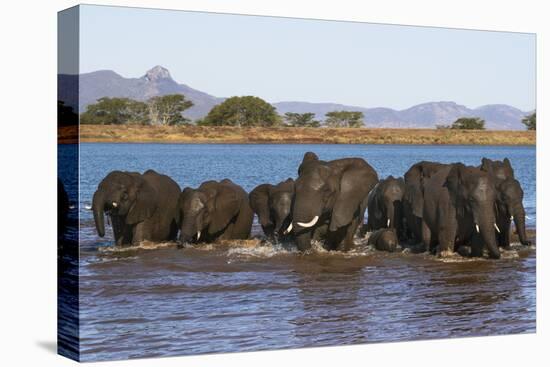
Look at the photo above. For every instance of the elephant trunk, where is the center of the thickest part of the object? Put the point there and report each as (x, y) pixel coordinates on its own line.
(303, 241)
(282, 225)
(306, 211)
(98, 204)
(264, 217)
(519, 220)
(267, 225)
(190, 229)
(487, 231)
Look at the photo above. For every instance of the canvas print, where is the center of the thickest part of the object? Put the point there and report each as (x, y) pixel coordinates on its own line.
(232, 183)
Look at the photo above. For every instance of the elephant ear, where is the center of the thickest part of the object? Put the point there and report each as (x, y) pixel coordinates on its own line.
(222, 208)
(415, 196)
(259, 202)
(413, 189)
(508, 165)
(418, 202)
(146, 202)
(352, 191)
(330, 188)
(373, 203)
(454, 183)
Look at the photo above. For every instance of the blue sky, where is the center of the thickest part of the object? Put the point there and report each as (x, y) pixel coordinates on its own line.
(283, 59)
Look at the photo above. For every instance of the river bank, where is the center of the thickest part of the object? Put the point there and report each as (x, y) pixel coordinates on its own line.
(291, 135)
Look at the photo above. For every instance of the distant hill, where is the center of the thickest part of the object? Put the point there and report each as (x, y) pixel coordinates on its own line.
(425, 115)
(157, 81)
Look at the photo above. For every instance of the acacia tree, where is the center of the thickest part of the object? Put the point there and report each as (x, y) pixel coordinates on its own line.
(242, 111)
(469, 123)
(168, 109)
(113, 111)
(162, 110)
(301, 119)
(344, 119)
(530, 121)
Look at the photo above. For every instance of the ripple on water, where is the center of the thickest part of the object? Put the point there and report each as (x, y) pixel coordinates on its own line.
(253, 295)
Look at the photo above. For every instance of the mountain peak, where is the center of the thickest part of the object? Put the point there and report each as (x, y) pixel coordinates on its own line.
(157, 73)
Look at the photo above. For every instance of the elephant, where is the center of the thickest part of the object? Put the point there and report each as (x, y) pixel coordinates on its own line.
(413, 199)
(214, 211)
(142, 207)
(384, 239)
(459, 210)
(385, 206)
(509, 200)
(509, 207)
(273, 204)
(330, 200)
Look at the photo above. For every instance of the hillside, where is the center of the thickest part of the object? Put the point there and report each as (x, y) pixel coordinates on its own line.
(158, 81)
(155, 82)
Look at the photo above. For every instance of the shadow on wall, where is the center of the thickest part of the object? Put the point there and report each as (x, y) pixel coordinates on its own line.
(48, 345)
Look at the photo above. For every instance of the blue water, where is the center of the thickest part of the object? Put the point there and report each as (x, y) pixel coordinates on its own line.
(251, 165)
(158, 300)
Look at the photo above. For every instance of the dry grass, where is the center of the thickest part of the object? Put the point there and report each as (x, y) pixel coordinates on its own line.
(67, 135)
(259, 135)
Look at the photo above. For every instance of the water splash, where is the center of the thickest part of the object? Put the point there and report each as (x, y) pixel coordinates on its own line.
(264, 250)
(145, 245)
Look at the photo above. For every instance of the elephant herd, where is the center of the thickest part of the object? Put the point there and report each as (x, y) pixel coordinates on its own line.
(444, 207)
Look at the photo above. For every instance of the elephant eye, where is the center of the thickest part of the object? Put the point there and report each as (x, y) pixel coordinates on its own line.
(124, 196)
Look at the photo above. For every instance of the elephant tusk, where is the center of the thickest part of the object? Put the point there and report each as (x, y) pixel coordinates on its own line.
(88, 207)
(115, 204)
(527, 217)
(512, 217)
(477, 228)
(388, 224)
(288, 229)
(496, 227)
(198, 235)
(309, 224)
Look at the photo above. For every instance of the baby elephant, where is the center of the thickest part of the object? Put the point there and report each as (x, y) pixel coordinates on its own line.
(216, 210)
(385, 207)
(384, 239)
(272, 204)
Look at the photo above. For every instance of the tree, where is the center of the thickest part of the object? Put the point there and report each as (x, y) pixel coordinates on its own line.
(344, 119)
(242, 111)
(168, 109)
(301, 119)
(468, 123)
(113, 111)
(66, 115)
(530, 121)
(139, 113)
